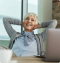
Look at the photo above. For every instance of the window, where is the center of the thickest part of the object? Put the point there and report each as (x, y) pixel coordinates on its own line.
(9, 8)
(12, 8)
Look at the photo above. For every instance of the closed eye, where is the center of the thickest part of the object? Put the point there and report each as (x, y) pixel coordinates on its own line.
(32, 20)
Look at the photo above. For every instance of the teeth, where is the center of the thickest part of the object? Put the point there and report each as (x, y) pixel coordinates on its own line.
(28, 24)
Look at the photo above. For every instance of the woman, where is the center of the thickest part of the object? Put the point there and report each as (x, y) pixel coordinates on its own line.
(27, 43)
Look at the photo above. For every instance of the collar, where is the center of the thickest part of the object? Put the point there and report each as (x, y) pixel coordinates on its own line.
(24, 32)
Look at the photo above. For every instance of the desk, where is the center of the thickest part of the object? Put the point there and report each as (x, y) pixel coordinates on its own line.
(31, 59)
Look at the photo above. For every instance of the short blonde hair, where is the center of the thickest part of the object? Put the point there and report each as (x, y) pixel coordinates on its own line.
(32, 14)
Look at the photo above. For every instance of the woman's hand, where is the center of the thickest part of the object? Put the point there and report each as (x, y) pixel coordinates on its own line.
(22, 24)
(37, 26)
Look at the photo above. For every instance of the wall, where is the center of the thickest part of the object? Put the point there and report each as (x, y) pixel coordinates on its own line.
(46, 10)
(56, 11)
(46, 13)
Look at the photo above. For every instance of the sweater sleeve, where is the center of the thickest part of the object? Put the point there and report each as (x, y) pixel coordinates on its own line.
(47, 25)
(7, 24)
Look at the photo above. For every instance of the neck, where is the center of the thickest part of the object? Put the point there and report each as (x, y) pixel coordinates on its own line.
(28, 30)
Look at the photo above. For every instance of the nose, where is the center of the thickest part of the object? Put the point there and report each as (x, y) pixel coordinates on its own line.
(29, 20)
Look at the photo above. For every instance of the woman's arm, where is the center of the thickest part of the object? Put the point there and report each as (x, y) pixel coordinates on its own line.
(47, 25)
(44, 24)
(7, 24)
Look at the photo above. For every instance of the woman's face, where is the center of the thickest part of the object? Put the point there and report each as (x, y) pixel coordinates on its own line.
(29, 23)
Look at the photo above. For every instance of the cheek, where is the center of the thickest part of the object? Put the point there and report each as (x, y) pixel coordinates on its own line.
(34, 24)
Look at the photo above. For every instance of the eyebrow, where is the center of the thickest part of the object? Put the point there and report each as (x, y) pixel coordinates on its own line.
(32, 18)
(27, 17)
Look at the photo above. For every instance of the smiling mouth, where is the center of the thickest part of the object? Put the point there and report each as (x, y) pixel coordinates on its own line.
(28, 24)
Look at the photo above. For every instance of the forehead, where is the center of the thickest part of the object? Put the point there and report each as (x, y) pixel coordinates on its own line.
(33, 17)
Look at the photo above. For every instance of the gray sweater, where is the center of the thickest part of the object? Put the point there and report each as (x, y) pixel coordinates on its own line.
(40, 37)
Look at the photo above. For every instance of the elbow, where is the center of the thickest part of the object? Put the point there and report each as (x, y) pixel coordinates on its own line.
(54, 22)
(4, 19)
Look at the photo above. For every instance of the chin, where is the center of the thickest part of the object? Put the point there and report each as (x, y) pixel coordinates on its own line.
(29, 29)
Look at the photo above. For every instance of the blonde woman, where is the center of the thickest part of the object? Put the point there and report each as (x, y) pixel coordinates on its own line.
(27, 43)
